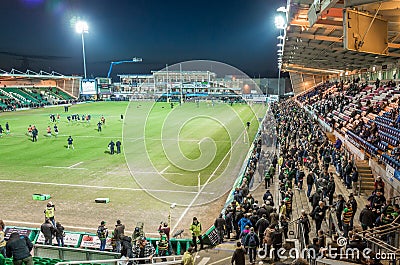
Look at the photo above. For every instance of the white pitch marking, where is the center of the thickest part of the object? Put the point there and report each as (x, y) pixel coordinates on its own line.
(162, 171)
(95, 187)
(205, 184)
(198, 182)
(74, 165)
(67, 167)
(204, 261)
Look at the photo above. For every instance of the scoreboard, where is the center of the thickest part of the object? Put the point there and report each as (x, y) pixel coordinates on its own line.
(104, 85)
(88, 87)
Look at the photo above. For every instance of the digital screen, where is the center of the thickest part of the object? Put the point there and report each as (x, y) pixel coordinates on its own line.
(88, 87)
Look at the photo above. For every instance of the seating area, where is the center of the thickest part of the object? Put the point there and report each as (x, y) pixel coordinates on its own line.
(12, 98)
(366, 114)
(36, 261)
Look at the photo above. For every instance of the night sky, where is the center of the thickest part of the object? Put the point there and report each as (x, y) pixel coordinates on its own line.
(40, 34)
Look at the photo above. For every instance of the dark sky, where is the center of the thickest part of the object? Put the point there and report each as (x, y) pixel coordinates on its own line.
(39, 34)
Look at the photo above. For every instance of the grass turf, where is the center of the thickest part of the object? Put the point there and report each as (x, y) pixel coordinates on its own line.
(89, 164)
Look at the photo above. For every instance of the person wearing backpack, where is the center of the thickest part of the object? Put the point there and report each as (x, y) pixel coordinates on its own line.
(251, 243)
(102, 233)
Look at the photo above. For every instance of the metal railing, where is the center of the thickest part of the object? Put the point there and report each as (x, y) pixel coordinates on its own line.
(87, 256)
(126, 261)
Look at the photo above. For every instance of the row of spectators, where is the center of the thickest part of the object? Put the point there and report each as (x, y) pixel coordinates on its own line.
(306, 151)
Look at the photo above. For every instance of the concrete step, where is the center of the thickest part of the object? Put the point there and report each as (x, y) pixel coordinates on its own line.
(365, 171)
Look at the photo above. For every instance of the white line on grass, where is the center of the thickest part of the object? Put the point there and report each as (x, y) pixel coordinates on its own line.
(74, 165)
(205, 184)
(162, 171)
(79, 168)
(93, 187)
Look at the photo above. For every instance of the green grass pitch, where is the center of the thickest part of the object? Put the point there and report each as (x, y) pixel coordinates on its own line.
(168, 155)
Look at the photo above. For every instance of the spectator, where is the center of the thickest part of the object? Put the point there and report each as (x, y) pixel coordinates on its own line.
(48, 231)
(346, 219)
(102, 233)
(379, 185)
(219, 224)
(126, 248)
(238, 257)
(260, 226)
(59, 232)
(187, 258)
(144, 250)
(2, 239)
(277, 241)
(19, 248)
(119, 231)
(305, 223)
(251, 242)
(319, 215)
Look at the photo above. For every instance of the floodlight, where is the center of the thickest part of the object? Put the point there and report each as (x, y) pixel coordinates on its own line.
(81, 27)
(282, 9)
(279, 45)
(280, 22)
(280, 37)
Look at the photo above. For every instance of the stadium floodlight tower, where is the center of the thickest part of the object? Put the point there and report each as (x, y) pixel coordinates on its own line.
(281, 23)
(82, 27)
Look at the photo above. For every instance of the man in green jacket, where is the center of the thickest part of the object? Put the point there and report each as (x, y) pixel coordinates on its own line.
(195, 228)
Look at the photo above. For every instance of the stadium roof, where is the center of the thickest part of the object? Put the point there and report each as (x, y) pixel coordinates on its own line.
(14, 74)
(314, 36)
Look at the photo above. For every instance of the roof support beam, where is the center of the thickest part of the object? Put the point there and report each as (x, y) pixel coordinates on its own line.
(317, 8)
(351, 3)
(394, 45)
(315, 37)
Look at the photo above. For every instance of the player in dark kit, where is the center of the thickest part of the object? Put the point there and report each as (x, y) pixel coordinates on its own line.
(111, 146)
(7, 128)
(35, 133)
(70, 140)
(118, 144)
(99, 126)
(248, 125)
(55, 130)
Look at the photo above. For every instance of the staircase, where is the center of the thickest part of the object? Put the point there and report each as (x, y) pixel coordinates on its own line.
(365, 175)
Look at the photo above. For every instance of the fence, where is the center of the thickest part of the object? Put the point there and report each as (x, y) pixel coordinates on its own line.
(125, 261)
